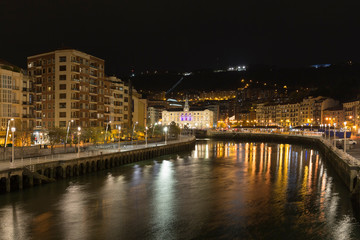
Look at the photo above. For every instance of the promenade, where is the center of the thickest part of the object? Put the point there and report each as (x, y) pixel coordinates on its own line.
(102, 150)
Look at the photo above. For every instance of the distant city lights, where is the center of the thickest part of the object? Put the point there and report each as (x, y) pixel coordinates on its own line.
(238, 68)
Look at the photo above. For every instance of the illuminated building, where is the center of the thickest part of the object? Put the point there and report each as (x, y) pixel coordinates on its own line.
(190, 119)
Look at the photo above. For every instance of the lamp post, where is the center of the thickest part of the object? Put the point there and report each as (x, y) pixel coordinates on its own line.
(165, 131)
(146, 129)
(13, 129)
(67, 132)
(153, 129)
(79, 132)
(334, 134)
(7, 130)
(345, 137)
(132, 137)
(119, 136)
(107, 126)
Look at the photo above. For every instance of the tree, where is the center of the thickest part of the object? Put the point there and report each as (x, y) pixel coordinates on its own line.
(93, 134)
(174, 129)
(55, 135)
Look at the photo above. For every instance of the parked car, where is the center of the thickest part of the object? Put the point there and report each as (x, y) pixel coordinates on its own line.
(350, 141)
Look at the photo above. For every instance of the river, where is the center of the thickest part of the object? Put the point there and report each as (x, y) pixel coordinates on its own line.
(221, 190)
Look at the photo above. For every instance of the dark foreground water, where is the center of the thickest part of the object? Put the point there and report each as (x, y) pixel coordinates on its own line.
(222, 190)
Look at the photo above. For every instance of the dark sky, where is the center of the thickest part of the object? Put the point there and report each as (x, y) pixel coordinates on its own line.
(183, 35)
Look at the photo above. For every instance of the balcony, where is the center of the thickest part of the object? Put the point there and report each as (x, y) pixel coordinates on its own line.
(15, 115)
(75, 107)
(15, 88)
(26, 103)
(28, 116)
(15, 101)
(75, 89)
(75, 98)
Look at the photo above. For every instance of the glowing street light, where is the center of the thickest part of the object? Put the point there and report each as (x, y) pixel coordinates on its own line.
(79, 132)
(132, 137)
(7, 130)
(67, 132)
(107, 126)
(334, 134)
(119, 136)
(13, 129)
(345, 137)
(153, 129)
(146, 129)
(165, 131)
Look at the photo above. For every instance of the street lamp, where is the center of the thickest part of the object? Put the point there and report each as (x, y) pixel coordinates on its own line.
(7, 130)
(79, 132)
(345, 137)
(119, 136)
(334, 134)
(13, 129)
(107, 126)
(146, 129)
(165, 131)
(132, 137)
(67, 132)
(153, 129)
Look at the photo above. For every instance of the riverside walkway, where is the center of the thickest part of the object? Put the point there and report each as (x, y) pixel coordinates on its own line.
(101, 150)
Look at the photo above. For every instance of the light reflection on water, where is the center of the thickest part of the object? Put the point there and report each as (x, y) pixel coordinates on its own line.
(222, 190)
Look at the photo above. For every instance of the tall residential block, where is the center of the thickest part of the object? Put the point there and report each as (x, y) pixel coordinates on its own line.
(16, 100)
(69, 85)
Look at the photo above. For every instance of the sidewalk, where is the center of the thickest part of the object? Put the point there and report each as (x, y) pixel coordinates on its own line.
(19, 163)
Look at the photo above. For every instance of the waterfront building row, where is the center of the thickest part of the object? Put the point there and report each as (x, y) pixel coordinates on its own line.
(310, 111)
(66, 87)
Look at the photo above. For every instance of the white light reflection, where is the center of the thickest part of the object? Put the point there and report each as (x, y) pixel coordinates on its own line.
(13, 222)
(163, 203)
(73, 213)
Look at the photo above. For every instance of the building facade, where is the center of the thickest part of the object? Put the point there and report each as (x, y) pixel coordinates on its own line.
(17, 99)
(191, 119)
(310, 111)
(69, 85)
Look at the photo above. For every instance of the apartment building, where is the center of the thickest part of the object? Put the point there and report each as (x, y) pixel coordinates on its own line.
(352, 114)
(16, 100)
(120, 99)
(139, 109)
(308, 112)
(334, 115)
(69, 85)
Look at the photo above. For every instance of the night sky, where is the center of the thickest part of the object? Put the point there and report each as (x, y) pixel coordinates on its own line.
(183, 35)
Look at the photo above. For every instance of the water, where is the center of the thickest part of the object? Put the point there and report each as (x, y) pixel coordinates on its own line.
(222, 190)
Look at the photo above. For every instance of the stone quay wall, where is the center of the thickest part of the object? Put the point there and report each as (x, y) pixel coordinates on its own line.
(346, 166)
(38, 173)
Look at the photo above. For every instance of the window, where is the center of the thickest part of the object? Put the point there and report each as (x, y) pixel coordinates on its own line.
(62, 114)
(62, 59)
(62, 77)
(62, 123)
(62, 68)
(62, 105)
(62, 86)
(62, 95)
